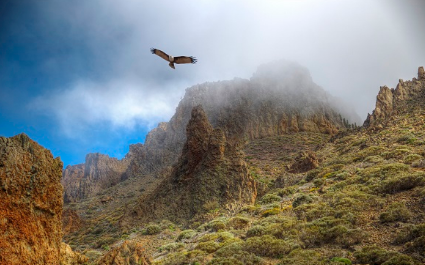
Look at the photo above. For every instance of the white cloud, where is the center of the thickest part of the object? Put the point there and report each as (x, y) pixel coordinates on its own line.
(350, 47)
(121, 104)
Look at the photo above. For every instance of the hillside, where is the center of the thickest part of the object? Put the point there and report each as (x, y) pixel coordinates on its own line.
(280, 98)
(353, 197)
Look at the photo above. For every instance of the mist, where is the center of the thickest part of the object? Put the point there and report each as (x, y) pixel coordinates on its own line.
(100, 70)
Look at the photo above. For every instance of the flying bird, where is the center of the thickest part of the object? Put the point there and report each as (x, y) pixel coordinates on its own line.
(173, 60)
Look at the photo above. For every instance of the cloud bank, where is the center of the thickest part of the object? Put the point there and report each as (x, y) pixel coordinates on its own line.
(350, 48)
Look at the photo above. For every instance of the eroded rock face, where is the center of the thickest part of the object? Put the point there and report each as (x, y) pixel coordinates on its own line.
(99, 172)
(390, 102)
(210, 170)
(30, 203)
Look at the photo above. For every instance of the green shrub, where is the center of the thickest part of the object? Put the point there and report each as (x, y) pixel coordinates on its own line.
(269, 212)
(285, 191)
(208, 246)
(239, 222)
(301, 199)
(373, 159)
(312, 174)
(410, 232)
(330, 230)
(270, 198)
(217, 224)
(342, 260)
(234, 252)
(373, 255)
(368, 151)
(407, 139)
(225, 261)
(183, 258)
(186, 234)
(256, 230)
(418, 245)
(395, 212)
(397, 153)
(379, 172)
(152, 229)
(267, 246)
(171, 247)
(409, 159)
(401, 183)
(400, 259)
(303, 257)
(166, 224)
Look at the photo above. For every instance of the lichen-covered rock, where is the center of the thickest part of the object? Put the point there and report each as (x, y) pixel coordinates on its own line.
(30, 203)
(128, 253)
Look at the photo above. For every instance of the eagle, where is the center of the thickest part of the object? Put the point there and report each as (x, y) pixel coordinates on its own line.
(173, 60)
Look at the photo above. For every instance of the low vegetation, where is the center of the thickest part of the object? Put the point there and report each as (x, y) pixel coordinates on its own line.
(363, 204)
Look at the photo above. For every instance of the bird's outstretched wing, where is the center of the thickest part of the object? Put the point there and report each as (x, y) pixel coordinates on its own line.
(185, 59)
(161, 54)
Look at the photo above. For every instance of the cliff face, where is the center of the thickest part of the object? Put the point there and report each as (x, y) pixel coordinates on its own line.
(99, 172)
(391, 102)
(210, 171)
(30, 203)
(280, 98)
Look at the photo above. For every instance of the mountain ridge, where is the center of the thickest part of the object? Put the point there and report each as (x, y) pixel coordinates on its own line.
(280, 98)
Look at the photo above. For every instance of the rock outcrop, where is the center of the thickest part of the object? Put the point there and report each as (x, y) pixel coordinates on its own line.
(69, 257)
(30, 203)
(129, 252)
(305, 161)
(210, 170)
(280, 98)
(70, 221)
(97, 173)
(390, 102)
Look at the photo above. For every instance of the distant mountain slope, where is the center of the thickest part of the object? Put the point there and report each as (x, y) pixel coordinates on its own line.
(362, 201)
(280, 98)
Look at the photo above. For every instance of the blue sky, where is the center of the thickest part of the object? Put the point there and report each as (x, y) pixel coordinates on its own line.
(77, 76)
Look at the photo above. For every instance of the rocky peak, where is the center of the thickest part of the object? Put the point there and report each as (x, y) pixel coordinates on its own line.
(210, 171)
(30, 204)
(198, 131)
(390, 102)
(421, 73)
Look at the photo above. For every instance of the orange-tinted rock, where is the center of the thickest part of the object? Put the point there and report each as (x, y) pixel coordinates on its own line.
(128, 253)
(70, 221)
(30, 203)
